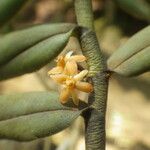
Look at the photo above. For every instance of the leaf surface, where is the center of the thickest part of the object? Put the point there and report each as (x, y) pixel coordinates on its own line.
(137, 8)
(33, 115)
(19, 41)
(8, 8)
(32, 48)
(133, 58)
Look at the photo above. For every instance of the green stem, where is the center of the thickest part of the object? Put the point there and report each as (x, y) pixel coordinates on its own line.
(94, 118)
(84, 13)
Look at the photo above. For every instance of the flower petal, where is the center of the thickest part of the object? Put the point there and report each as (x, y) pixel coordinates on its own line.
(65, 93)
(60, 61)
(68, 55)
(74, 97)
(84, 86)
(55, 70)
(71, 68)
(81, 75)
(59, 78)
(78, 58)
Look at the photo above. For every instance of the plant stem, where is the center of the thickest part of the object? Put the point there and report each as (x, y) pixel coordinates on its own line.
(84, 13)
(94, 118)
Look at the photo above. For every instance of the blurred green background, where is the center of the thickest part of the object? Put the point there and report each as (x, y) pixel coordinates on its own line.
(128, 115)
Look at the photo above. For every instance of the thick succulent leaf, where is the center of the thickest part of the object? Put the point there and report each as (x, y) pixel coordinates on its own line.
(16, 42)
(137, 8)
(133, 58)
(33, 115)
(35, 56)
(8, 8)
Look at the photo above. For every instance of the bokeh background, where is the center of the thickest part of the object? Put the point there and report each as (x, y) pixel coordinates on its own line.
(128, 110)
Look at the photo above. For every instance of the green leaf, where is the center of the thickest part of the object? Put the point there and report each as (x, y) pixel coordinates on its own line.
(16, 42)
(133, 58)
(137, 8)
(8, 8)
(37, 49)
(33, 115)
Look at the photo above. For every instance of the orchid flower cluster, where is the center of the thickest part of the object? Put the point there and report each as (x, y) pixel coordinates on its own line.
(70, 79)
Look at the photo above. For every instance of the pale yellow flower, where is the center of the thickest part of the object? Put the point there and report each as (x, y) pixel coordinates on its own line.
(71, 84)
(70, 78)
(62, 60)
